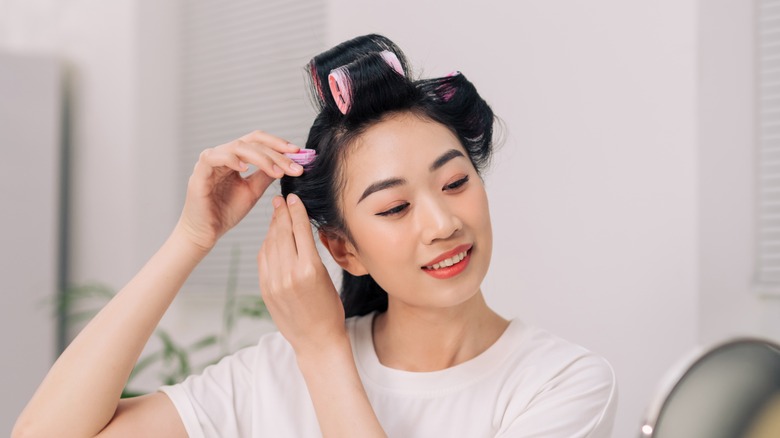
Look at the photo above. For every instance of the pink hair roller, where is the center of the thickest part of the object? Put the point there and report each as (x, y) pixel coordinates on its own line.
(303, 156)
(341, 86)
(392, 60)
(447, 90)
(316, 80)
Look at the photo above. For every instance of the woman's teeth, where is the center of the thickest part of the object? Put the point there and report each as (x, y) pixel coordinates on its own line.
(449, 262)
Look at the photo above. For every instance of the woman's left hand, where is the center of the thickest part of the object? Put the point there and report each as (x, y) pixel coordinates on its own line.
(295, 285)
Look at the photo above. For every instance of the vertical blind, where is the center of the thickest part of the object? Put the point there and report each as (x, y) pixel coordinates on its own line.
(768, 64)
(241, 70)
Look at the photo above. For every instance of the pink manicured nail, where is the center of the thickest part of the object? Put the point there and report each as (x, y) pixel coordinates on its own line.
(292, 198)
(277, 201)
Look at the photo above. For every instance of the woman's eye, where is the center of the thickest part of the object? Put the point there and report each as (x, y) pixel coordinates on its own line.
(457, 184)
(395, 210)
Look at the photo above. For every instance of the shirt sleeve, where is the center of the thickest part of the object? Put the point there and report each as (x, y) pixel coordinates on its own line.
(214, 402)
(579, 402)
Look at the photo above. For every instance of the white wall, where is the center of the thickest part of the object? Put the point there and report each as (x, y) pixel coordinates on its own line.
(593, 196)
(122, 79)
(122, 154)
(730, 305)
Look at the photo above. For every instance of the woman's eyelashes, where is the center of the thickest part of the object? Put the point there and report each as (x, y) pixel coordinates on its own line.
(395, 210)
(457, 184)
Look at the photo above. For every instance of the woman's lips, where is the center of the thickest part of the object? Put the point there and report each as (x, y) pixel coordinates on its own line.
(450, 263)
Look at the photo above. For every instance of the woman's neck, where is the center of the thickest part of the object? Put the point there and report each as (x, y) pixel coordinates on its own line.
(416, 339)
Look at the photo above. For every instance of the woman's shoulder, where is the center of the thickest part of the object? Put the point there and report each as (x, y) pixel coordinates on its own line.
(534, 346)
(553, 377)
(534, 341)
(563, 367)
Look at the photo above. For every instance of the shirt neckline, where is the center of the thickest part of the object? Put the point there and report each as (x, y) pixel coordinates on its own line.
(429, 382)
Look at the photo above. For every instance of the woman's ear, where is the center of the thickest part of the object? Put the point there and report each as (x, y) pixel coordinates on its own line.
(343, 253)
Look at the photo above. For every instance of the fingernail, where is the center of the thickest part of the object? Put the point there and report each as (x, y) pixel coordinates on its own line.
(277, 201)
(292, 198)
(296, 167)
(243, 166)
(293, 146)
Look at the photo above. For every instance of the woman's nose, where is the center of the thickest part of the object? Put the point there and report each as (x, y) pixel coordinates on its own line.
(438, 221)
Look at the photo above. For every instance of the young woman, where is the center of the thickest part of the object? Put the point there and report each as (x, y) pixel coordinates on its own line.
(396, 195)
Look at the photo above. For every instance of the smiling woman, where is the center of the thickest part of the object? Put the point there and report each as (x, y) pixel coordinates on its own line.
(429, 209)
(409, 348)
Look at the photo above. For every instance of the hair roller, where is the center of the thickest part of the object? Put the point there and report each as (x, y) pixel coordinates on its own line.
(340, 81)
(345, 54)
(315, 81)
(341, 88)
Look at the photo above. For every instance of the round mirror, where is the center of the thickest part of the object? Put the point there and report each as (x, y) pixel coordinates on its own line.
(731, 390)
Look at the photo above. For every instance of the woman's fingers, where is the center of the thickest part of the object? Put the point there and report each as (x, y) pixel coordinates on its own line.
(291, 229)
(275, 142)
(279, 147)
(278, 261)
(213, 161)
(215, 157)
(289, 255)
(258, 148)
(301, 229)
(280, 237)
(270, 161)
(295, 286)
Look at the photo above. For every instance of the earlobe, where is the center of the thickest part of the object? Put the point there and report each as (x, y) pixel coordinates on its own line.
(343, 252)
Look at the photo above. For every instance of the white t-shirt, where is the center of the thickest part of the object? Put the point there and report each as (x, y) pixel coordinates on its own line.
(529, 383)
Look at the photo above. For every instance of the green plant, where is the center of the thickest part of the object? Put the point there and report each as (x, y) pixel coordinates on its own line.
(175, 359)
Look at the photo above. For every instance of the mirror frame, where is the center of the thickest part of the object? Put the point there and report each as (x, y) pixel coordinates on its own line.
(680, 370)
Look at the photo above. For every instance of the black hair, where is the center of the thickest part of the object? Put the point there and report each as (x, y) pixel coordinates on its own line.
(377, 91)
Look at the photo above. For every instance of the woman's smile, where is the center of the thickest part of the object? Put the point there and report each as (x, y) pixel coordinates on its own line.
(449, 264)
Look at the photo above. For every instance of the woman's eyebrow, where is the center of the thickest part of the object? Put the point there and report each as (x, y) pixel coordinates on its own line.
(381, 185)
(444, 158)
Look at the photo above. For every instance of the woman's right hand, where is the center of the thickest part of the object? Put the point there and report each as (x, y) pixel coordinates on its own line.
(218, 197)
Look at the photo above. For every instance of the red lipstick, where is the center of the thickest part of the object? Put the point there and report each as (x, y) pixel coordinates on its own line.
(444, 272)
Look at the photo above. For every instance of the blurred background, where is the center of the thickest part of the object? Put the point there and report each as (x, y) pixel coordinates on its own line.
(632, 199)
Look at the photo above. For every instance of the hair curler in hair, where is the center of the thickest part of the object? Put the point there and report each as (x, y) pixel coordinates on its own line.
(315, 79)
(341, 88)
(303, 156)
(341, 84)
(392, 60)
(447, 90)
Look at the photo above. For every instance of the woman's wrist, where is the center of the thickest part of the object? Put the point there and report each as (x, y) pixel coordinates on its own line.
(335, 387)
(322, 352)
(182, 239)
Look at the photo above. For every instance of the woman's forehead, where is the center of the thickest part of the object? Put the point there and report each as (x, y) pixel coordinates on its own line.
(401, 141)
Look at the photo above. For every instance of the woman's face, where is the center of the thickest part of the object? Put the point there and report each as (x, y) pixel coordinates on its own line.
(417, 212)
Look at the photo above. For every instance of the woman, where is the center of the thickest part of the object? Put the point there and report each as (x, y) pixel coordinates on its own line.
(396, 194)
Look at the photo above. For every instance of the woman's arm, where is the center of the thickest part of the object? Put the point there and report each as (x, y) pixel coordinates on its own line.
(341, 403)
(80, 394)
(306, 308)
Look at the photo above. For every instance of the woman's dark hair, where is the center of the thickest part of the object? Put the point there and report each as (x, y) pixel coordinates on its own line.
(377, 91)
